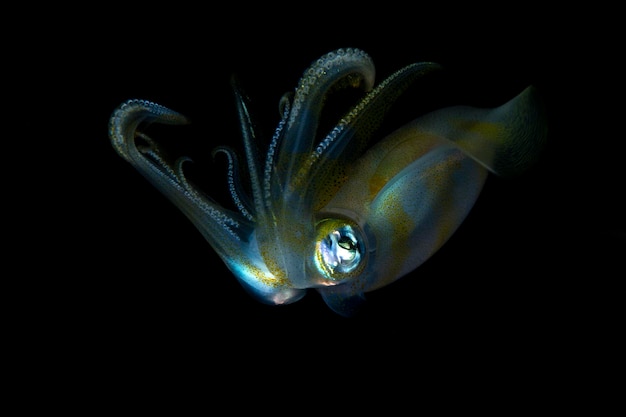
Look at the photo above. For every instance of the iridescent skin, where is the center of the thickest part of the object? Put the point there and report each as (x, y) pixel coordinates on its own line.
(332, 214)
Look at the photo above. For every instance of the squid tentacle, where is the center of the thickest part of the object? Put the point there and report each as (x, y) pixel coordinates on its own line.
(235, 187)
(230, 233)
(350, 66)
(290, 147)
(153, 152)
(360, 123)
(253, 158)
(272, 188)
(221, 227)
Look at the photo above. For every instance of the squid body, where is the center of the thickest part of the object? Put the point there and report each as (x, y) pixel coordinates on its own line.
(338, 211)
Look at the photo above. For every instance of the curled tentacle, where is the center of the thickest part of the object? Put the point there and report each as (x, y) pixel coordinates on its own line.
(149, 161)
(350, 67)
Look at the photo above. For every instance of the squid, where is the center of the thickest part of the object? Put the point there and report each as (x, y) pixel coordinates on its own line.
(339, 211)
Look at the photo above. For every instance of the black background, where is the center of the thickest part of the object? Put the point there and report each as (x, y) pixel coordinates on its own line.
(140, 285)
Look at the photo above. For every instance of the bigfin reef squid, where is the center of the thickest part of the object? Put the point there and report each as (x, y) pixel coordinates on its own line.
(341, 213)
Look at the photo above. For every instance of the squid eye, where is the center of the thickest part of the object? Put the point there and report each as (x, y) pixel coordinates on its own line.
(339, 249)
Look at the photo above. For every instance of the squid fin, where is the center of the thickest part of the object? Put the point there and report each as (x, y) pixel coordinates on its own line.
(506, 140)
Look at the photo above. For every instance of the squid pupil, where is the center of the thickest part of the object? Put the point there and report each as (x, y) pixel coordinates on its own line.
(341, 252)
(346, 243)
(349, 249)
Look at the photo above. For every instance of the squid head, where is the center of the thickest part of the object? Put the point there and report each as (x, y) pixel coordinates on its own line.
(340, 211)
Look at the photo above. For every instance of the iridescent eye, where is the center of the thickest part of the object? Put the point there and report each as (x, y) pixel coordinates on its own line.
(339, 249)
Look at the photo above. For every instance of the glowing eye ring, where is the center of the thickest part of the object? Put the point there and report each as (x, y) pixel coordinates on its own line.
(339, 249)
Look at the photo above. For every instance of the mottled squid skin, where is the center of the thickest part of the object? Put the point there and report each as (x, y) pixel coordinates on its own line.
(334, 212)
